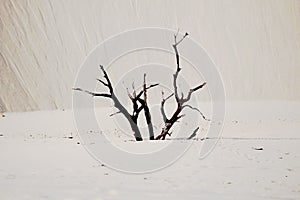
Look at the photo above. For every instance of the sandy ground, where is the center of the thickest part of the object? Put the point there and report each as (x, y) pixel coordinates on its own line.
(39, 160)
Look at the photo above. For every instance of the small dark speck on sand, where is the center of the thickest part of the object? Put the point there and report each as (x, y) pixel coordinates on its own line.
(70, 137)
(258, 149)
(106, 174)
(102, 165)
(78, 142)
(1, 135)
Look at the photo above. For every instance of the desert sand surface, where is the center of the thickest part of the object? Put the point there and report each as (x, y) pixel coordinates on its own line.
(256, 157)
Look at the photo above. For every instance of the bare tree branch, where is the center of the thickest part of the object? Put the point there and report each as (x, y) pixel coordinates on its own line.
(145, 89)
(118, 112)
(193, 134)
(142, 91)
(109, 85)
(117, 104)
(170, 122)
(175, 83)
(133, 88)
(180, 100)
(162, 109)
(146, 109)
(175, 76)
(180, 116)
(176, 35)
(105, 84)
(191, 92)
(196, 109)
(135, 98)
(128, 93)
(92, 93)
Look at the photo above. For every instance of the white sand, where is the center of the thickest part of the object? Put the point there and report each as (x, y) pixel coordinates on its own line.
(39, 161)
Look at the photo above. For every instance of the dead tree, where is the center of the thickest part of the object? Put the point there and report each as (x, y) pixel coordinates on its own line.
(147, 110)
(135, 98)
(180, 101)
(131, 118)
(139, 102)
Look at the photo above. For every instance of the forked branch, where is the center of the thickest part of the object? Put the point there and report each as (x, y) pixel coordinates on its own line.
(143, 105)
(179, 100)
(117, 103)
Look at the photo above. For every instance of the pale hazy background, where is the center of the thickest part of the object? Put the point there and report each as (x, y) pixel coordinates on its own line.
(254, 43)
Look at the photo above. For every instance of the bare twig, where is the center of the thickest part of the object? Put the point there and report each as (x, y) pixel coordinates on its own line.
(109, 85)
(162, 109)
(93, 93)
(118, 112)
(150, 86)
(193, 134)
(191, 92)
(196, 109)
(105, 84)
